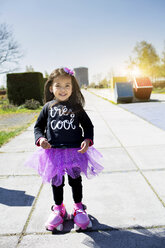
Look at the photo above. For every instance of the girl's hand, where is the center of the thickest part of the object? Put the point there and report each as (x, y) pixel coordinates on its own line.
(84, 146)
(44, 143)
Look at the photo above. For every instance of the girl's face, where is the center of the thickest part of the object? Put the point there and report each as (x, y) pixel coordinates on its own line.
(61, 88)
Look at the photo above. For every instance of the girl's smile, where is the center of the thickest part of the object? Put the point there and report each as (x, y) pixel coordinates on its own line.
(61, 88)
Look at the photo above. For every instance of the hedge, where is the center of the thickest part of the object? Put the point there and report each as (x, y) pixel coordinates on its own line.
(25, 86)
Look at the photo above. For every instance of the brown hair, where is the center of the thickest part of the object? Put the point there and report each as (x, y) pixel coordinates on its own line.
(76, 97)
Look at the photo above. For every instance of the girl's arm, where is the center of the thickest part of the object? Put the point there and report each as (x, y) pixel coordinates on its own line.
(44, 143)
(88, 127)
(84, 146)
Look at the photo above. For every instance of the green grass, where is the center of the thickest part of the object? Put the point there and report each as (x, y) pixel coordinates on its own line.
(17, 110)
(6, 133)
(158, 90)
(7, 109)
(5, 136)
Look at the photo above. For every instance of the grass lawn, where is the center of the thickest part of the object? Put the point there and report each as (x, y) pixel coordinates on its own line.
(5, 136)
(6, 110)
(8, 133)
(158, 90)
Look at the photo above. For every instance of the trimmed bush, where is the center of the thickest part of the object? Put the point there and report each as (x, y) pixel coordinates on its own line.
(25, 86)
(2, 92)
(8, 107)
(32, 104)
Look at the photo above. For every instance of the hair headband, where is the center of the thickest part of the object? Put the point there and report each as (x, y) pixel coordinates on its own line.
(70, 72)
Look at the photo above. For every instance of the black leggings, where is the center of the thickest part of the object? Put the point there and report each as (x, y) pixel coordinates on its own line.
(76, 185)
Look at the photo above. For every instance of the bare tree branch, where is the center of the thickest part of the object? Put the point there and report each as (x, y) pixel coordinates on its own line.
(10, 53)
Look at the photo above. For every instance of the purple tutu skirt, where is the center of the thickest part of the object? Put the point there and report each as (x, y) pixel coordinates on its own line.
(53, 163)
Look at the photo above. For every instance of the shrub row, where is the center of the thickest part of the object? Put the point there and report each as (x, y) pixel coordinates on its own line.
(2, 92)
(159, 84)
(25, 86)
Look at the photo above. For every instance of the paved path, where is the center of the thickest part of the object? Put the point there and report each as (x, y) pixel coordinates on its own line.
(152, 111)
(126, 202)
(15, 119)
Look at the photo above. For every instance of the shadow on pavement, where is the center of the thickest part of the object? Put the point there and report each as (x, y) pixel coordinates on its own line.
(15, 198)
(104, 236)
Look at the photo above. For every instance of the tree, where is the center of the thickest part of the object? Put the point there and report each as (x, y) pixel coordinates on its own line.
(110, 74)
(9, 50)
(131, 63)
(92, 85)
(104, 83)
(162, 67)
(29, 68)
(145, 58)
(46, 74)
(97, 78)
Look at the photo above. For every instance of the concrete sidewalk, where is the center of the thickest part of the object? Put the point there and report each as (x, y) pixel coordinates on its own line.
(152, 111)
(126, 203)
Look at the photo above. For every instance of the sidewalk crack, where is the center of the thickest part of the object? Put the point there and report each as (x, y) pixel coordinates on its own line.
(29, 217)
(135, 164)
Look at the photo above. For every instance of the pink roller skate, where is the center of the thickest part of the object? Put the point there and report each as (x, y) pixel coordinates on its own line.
(80, 217)
(56, 218)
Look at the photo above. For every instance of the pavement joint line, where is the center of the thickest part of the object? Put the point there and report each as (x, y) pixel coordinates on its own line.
(29, 175)
(3, 152)
(15, 151)
(10, 234)
(145, 178)
(131, 146)
(135, 170)
(111, 229)
(106, 172)
(146, 145)
(29, 216)
(138, 169)
(160, 199)
(107, 148)
(4, 176)
(119, 171)
(154, 169)
(99, 148)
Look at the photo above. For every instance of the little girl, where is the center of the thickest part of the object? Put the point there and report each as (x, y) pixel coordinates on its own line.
(64, 133)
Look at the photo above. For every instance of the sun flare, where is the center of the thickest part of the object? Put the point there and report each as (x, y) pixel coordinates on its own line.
(134, 72)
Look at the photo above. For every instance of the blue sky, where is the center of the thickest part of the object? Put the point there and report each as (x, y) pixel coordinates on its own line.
(98, 34)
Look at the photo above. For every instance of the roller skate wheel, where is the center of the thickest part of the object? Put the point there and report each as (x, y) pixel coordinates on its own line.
(90, 225)
(76, 227)
(59, 228)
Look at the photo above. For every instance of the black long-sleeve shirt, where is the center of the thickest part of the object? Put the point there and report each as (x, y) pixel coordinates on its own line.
(62, 125)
